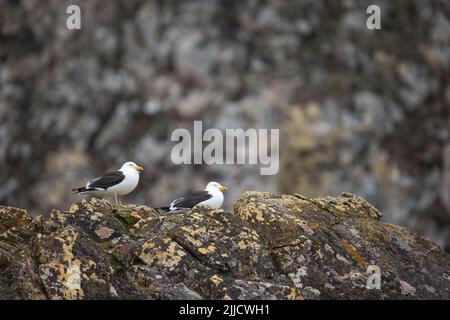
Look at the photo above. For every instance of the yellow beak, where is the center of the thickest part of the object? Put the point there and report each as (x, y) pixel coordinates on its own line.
(139, 168)
(223, 188)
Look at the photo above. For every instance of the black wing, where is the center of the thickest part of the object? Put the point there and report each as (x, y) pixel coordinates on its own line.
(192, 200)
(107, 181)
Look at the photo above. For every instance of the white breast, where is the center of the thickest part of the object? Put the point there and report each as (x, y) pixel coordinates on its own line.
(126, 186)
(215, 201)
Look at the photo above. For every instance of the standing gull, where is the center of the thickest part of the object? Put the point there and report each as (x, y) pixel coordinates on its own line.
(117, 183)
(212, 196)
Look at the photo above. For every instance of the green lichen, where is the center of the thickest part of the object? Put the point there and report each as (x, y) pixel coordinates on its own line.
(106, 245)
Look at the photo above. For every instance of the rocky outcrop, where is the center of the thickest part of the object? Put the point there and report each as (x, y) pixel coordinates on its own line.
(271, 247)
(356, 110)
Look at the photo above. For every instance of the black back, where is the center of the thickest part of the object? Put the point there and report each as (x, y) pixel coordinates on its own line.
(192, 200)
(107, 181)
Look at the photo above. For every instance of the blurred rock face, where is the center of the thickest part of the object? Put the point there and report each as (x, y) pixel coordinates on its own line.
(359, 110)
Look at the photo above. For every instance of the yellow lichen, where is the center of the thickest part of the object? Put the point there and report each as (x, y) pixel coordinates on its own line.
(216, 279)
(294, 294)
(209, 249)
(259, 215)
(354, 253)
(66, 268)
(73, 281)
(196, 216)
(95, 278)
(168, 258)
(73, 208)
(246, 214)
(242, 244)
(61, 217)
(194, 241)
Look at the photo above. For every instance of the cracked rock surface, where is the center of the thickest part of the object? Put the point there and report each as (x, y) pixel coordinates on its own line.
(271, 247)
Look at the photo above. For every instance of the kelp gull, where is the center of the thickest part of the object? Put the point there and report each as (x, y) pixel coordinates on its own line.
(212, 196)
(117, 183)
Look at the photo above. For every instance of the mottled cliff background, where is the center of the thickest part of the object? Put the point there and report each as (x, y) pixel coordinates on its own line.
(363, 111)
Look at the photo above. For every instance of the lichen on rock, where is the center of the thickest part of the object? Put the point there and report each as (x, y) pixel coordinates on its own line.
(270, 247)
